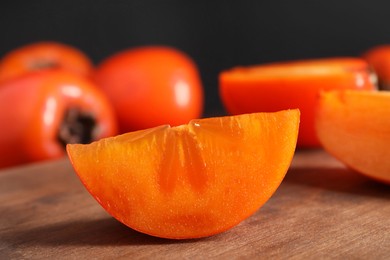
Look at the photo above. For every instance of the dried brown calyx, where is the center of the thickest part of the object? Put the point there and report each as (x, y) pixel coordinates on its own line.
(77, 127)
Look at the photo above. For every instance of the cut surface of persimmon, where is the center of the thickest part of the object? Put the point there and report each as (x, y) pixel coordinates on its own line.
(291, 84)
(193, 180)
(354, 126)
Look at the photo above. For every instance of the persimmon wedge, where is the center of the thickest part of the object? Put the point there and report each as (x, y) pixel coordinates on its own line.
(193, 180)
(354, 126)
(291, 84)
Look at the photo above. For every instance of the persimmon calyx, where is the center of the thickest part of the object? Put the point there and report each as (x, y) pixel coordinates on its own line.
(77, 126)
(43, 64)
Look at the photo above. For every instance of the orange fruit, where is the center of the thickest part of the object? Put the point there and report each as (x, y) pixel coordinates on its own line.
(42, 56)
(291, 84)
(354, 126)
(379, 59)
(151, 86)
(193, 180)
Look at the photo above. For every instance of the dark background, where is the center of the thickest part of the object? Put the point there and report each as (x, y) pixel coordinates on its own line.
(216, 34)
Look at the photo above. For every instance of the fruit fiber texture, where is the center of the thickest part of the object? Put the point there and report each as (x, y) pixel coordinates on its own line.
(354, 126)
(288, 85)
(193, 180)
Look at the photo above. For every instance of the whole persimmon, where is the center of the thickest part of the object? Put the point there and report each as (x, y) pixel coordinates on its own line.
(44, 55)
(151, 86)
(42, 111)
(379, 58)
(291, 84)
(193, 180)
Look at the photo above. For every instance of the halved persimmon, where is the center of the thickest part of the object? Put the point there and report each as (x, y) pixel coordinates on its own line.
(291, 84)
(354, 126)
(193, 180)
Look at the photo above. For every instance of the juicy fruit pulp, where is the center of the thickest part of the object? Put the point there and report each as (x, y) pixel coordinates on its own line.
(354, 126)
(193, 180)
(286, 85)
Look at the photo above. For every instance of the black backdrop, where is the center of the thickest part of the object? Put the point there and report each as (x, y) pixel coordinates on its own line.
(217, 34)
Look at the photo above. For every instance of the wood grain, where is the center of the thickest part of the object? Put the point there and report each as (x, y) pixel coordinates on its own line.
(321, 210)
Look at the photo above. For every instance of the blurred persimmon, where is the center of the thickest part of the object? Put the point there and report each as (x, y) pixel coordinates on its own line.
(151, 86)
(292, 84)
(44, 55)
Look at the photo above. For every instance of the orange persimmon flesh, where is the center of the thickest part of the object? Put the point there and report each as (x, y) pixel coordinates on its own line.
(193, 180)
(354, 126)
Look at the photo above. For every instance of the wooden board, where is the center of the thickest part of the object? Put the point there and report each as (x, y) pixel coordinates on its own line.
(321, 210)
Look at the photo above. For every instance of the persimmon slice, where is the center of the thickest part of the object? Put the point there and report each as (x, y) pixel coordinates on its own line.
(354, 126)
(193, 180)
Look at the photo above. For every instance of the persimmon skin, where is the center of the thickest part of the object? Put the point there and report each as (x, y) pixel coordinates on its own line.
(32, 109)
(291, 84)
(354, 126)
(42, 56)
(151, 86)
(379, 58)
(193, 180)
